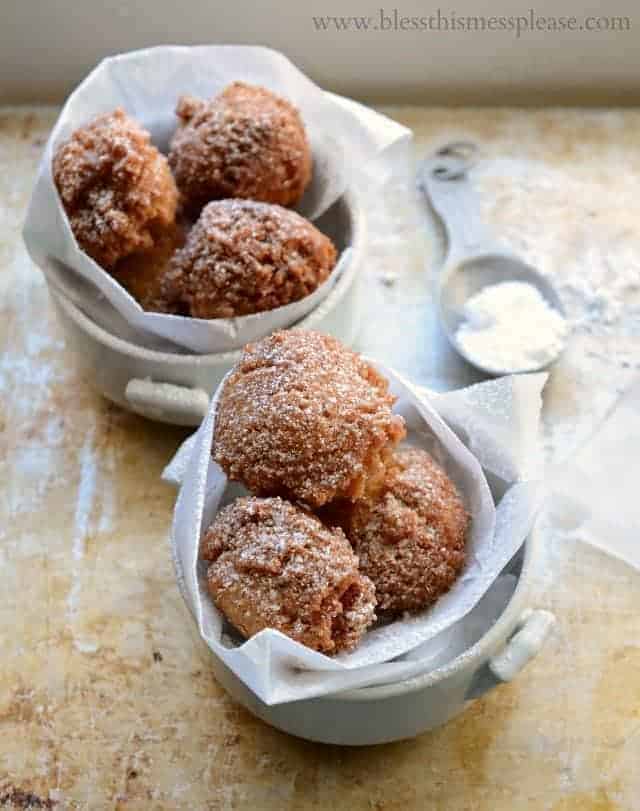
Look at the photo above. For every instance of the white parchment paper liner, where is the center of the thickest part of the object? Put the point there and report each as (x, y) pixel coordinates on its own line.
(147, 83)
(594, 493)
(278, 669)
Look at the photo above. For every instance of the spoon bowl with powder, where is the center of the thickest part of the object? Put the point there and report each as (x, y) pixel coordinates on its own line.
(499, 313)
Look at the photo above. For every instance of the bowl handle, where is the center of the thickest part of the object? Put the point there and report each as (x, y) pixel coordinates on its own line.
(530, 634)
(167, 402)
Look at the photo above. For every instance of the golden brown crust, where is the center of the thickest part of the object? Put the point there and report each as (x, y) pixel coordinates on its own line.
(246, 142)
(303, 417)
(410, 539)
(115, 186)
(273, 565)
(244, 257)
(142, 274)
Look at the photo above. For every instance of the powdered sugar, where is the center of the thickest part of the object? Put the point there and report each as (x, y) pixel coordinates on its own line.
(303, 416)
(577, 230)
(510, 327)
(115, 186)
(245, 257)
(246, 142)
(273, 565)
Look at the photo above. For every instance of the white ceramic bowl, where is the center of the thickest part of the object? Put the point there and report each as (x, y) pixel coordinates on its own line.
(175, 388)
(372, 715)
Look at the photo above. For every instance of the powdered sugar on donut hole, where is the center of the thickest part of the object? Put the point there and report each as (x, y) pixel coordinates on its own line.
(274, 565)
(116, 187)
(510, 326)
(246, 142)
(244, 257)
(303, 417)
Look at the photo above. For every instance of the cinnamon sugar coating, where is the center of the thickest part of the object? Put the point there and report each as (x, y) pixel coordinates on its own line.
(273, 565)
(246, 142)
(244, 257)
(115, 186)
(410, 539)
(142, 274)
(303, 417)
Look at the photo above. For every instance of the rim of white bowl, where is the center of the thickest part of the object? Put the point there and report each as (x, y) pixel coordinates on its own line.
(472, 655)
(357, 223)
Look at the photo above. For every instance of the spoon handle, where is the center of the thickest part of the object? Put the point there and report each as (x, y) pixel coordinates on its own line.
(443, 177)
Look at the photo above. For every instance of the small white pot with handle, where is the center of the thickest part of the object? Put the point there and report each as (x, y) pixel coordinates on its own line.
(373, 715)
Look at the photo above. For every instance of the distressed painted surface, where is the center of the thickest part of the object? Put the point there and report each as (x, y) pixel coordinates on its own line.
(106, 697)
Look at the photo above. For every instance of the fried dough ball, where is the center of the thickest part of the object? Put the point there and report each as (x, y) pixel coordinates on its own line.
(303, 417)
(243, 257)
(410, 538)
(273, 565)
(246, 142)
(115, 186)
(142, 274)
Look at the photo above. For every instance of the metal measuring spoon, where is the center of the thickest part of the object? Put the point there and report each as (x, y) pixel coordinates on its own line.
(475, 259)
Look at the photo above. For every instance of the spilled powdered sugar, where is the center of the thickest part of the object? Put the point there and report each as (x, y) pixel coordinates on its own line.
(84, 507)
(38, 456)
(579, 232)
(85, 496)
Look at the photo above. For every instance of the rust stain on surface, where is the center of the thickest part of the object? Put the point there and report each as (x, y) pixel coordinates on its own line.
(18, 798)
(597, 801)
